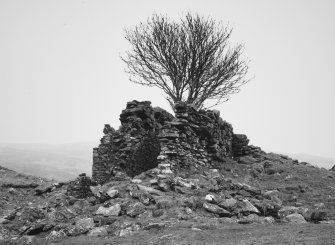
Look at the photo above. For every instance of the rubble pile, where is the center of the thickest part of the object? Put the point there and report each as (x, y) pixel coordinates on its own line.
(149, 201)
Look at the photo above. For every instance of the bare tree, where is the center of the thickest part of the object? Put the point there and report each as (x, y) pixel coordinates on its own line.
(189, 60)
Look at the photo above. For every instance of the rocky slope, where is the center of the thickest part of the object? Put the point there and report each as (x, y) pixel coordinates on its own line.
(276, 190)
(161, 179)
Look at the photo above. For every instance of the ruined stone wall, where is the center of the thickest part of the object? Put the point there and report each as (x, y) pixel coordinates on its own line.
(152, 138)
(241, 147)
(194, 139)
(134, 147)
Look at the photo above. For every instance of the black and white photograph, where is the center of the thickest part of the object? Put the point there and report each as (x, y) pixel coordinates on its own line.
(181, 122)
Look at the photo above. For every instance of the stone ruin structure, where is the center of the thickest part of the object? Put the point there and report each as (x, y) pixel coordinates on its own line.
(152, 138)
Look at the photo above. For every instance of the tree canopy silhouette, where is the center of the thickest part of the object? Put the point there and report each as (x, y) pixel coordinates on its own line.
(189, 59)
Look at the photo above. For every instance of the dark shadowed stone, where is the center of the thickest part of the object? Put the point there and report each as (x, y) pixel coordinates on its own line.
(318, 215)
(162, 115)
(36, 229)
(145, 156)
(42, 190)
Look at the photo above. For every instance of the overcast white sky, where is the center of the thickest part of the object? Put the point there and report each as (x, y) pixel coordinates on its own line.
(61, 78)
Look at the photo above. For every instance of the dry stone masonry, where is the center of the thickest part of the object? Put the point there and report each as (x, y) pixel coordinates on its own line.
(80, 187)
(152, 138)
(241, 147)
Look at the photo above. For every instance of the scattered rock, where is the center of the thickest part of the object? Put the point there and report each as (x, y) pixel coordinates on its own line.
(96, 190)
(136, 181)
(56, 236)
(86, 223)
(164, 203)
(269, 220)
(129, 230)
(257, 169)
(135, 209)
(249, 208)
(145, 198)
(155, 226)
(212, 208)
(295, 218)
(228, 204)
(287, 210)
(211, 198)
(269, 194)
(149, 190)
(111, 211)
(98, 232)
(112, 193)
(157, 213)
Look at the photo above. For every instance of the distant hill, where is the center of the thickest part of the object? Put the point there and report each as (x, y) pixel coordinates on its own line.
(60, 162)
(65, 161)
(322, 162)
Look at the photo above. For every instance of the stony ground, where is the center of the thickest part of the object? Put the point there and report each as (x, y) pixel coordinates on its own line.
(225, 234)
(273, 201)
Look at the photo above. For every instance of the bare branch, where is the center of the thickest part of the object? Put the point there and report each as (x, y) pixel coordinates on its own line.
(189, 60)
